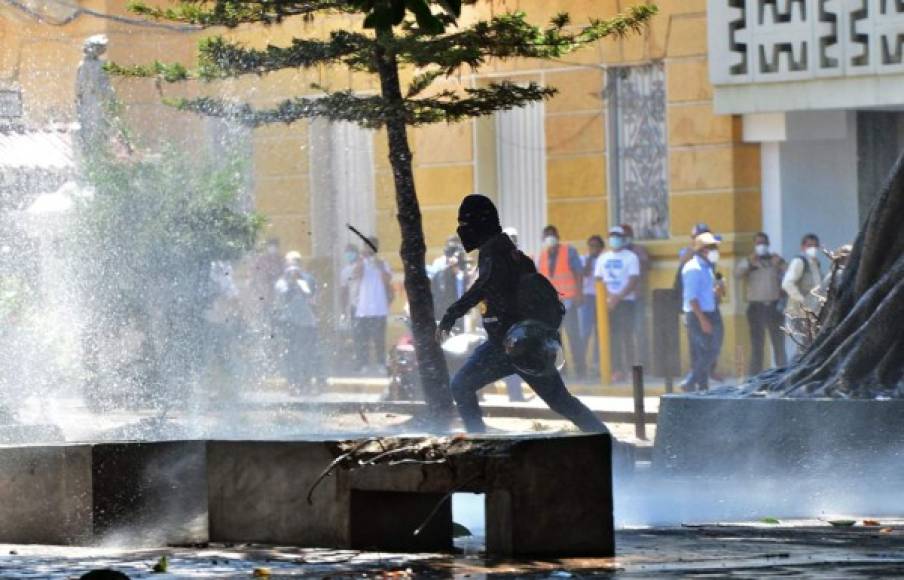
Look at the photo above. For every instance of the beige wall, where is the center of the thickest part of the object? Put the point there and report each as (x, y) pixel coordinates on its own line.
(714, 177)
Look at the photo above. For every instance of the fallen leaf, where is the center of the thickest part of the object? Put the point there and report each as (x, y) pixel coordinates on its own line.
(770, 521)
(886, 530)
(161, 566)
(261, 573)
(842, 523)
(871, 523)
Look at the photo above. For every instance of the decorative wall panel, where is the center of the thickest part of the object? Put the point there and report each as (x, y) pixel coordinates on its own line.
(637, 134)
(755, 41)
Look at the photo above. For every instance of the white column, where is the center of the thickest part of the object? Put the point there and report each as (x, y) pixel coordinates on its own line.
(353, 180)
(521, 155)
(342, 185)
(770, 163)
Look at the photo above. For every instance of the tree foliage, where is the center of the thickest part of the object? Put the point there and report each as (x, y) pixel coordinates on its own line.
(432, 52)
(144, 242)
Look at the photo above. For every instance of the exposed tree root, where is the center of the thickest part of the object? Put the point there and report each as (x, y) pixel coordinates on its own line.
(858, 352)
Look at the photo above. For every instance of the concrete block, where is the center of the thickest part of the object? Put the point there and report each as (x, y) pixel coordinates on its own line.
(783, 437)
(544, 495)
(556, 499)
(150, 493)
(45, 495)
(257, 492)
(81, 494)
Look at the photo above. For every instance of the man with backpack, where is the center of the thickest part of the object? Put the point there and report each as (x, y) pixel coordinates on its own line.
(506, 289)
(803, 276)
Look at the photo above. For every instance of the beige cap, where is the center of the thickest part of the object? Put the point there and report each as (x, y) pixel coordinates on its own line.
(293, 257)
(705, 239)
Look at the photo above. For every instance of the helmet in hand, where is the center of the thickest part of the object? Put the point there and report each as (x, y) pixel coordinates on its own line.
(534, 348)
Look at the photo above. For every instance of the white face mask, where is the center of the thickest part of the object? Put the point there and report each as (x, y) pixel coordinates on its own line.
(550, 241)
(712, 256)
(812, 252)
(762, 249)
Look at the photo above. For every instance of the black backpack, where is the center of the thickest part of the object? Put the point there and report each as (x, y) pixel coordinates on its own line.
(537, 298)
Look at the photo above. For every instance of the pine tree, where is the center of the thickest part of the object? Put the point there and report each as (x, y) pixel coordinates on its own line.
(421, 34)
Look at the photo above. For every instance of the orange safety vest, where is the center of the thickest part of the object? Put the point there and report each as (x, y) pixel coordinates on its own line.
(562, 278)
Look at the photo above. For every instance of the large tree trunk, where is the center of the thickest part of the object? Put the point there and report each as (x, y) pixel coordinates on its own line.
(859, 351)
(431, 361)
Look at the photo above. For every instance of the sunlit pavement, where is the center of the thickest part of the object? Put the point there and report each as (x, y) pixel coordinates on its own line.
(810, 549)
(274, 413)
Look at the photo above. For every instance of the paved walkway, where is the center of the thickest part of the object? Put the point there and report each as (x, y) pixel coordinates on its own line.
(808, 549)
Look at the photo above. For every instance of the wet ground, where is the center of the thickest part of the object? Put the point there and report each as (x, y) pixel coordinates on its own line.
(803, 549)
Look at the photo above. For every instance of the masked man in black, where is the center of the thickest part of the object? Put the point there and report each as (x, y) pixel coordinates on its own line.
(500, 267)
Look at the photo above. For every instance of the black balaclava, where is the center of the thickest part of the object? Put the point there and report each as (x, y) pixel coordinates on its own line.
(478, 221)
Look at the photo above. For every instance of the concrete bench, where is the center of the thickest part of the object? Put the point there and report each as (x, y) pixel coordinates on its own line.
(545, 495)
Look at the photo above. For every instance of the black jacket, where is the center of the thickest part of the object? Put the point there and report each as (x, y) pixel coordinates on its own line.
(500, 267)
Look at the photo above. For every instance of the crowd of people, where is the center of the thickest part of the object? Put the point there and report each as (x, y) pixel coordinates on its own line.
(782, 298)
(289, 306)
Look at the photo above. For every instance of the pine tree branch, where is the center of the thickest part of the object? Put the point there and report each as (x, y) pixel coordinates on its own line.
(367, 111)
(220, 58)
(372, 111)
(505, 36)
(510, 36)
(449, 106)
(231, 13)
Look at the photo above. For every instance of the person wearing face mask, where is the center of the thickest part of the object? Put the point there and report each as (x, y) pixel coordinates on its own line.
(589, 332)
(701, 309)
(297, 328)
(448, 278)
(804, 275)
(763, 271)
(375, 294)
(619, 270)
(561, 263)
(501, 268)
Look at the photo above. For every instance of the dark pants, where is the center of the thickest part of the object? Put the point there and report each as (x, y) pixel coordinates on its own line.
(370, 331)
(704, 349)
(488, 364)
(765, 318)
(302, 357)
(576, 349)
(622, 327)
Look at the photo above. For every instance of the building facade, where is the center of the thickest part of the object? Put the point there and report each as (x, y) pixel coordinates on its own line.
(735, 113)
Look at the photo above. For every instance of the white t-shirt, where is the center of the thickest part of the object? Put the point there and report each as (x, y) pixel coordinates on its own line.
(616, 269)
(372, 298)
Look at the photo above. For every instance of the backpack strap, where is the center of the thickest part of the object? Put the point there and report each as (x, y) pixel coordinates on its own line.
(806, 262)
